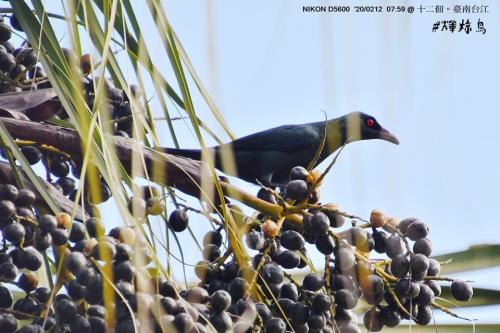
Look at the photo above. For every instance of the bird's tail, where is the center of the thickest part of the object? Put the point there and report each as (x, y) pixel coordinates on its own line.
(194, 154)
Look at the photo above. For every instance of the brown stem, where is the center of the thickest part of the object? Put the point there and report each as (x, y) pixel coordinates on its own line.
(182, 173)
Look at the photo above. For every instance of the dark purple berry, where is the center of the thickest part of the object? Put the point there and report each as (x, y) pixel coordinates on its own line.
(316, 321)
(320, 223)
(14, 23)
(14, 233)
(42, 294)
(8, 271)
(372, 320)
(292, 240)
(425, 296)
(266, 195)
(325, 244)
(313, 282)
(296, 190)
(32, 259)
(419, 265)
(423, 246)
(8, 324)
(345, 299)
(60, 237)
(434, 267)
(298, 172)
(407, 288)
(221, 321)
(47, 223)
(6, 299)
(77, 232)
(213, 237)
(75, 262)
(404, 224)
(299, 313)
(321, 303)
(220, 300)
(95, 227)
(32, 154)
(394, 246)
(400, 266)
(25, 198)
(417, 230)
(255, 240)
(424, 315)
(237, 288)
(461, 290)
(7, 209)
(211, 252)
(288, 259)
(380, 238)
(183, 323)
(80, 325)
(389, 316)
(272, 273)
(275, 325)
(289, 290)
(178, 220)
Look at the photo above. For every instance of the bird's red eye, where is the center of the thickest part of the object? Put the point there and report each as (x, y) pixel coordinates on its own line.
(370, 122)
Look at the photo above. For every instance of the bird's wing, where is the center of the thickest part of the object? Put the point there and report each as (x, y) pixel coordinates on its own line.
(287, 138)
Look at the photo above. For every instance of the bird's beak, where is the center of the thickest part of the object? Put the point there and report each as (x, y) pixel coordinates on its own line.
(388, 136)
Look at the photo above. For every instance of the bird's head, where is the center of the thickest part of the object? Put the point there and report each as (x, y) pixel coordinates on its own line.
(355, 126)
(360, 126)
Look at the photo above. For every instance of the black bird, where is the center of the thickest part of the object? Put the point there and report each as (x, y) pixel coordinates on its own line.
(268, 156)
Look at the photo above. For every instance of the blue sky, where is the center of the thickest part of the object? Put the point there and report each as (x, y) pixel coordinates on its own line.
(266, 63)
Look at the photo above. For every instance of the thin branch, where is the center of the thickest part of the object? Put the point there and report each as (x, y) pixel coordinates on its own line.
(448, 311)
(321, 146)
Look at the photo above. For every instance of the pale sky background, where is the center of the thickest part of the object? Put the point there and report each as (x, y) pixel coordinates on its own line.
(266, 63)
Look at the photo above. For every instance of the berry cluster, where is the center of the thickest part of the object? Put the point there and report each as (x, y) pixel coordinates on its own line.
(403, 286)
(118, 101)
(20, 71)
(63, 173)
(232, 294)
(89, 261)
(18, 65)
